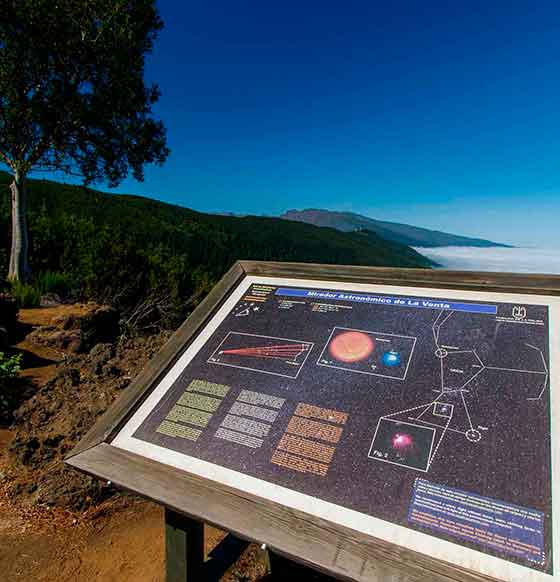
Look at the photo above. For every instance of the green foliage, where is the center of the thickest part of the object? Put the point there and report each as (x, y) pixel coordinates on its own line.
(29, 294)
(13, 388)
(26, 295)
(10, 366)
(72, 91)
(54, 282)
(73, 97)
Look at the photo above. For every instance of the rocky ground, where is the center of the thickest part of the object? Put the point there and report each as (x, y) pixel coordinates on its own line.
(56, 524)
(79, 387)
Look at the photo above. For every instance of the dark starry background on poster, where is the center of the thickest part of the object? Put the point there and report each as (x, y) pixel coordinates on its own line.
(511, 461)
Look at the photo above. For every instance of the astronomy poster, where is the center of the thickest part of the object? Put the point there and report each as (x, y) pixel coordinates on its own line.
(428, 412)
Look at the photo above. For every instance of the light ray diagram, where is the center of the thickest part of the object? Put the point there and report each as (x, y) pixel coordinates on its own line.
(289, 353)
(262, 353)
(412, 437)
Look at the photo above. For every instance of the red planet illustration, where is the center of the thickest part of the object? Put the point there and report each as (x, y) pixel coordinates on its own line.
(351, 346)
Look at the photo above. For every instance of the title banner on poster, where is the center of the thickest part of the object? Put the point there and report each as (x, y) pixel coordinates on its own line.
(388, 300)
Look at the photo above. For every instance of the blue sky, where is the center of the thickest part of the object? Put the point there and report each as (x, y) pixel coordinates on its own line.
(440, 114)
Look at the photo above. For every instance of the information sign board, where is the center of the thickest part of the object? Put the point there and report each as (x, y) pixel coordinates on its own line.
(419, 417)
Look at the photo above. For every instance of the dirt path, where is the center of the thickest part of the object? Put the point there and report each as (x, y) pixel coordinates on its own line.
(49, 545)
(120, 540)
(123, 541)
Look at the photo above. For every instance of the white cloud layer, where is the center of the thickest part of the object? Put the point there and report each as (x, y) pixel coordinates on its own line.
(516, 260)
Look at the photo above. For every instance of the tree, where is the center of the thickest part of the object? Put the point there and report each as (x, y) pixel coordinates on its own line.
(73, 96)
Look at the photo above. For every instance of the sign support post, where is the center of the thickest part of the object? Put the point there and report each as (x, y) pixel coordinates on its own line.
(184, 547)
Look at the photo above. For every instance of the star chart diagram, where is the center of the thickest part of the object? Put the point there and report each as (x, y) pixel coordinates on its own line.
(412, 437)
(245, 309)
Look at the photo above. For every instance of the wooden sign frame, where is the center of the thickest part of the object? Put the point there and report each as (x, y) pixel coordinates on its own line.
(305, 538)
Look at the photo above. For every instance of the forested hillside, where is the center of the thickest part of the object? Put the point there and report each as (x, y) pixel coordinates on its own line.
(119, 248)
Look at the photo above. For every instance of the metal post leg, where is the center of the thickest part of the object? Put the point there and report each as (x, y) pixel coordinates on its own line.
(184, 548)
(263, 557)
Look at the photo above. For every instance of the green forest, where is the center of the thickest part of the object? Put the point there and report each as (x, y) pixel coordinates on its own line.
(121, 249)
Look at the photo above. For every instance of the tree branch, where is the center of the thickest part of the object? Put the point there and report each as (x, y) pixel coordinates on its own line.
(5, 159)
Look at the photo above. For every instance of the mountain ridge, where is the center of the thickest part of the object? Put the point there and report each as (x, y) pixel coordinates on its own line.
(402, 233)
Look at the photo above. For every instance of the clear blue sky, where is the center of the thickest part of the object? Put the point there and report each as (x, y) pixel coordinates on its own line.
(441, 114)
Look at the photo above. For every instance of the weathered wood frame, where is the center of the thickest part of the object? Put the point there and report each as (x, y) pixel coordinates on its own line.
(307, 539)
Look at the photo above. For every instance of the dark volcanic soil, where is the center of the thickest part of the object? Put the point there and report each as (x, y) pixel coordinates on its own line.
(63, 409)
(56, 524)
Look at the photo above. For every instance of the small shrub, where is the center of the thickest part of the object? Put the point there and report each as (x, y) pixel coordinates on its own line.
(54, 282)
(10, 366)
(26, 295)
(13, 389)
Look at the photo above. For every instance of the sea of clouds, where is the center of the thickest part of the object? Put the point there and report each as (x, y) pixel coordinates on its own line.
(514, 260)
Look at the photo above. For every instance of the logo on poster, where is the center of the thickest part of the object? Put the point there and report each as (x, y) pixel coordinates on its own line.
(519, 312)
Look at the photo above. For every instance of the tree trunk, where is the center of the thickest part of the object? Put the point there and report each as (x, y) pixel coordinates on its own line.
(19, 267)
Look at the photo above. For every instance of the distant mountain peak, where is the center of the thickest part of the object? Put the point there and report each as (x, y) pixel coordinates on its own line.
(394, 231)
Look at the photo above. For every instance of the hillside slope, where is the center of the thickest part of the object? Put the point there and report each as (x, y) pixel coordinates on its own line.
(391, 231)
(124, 245)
